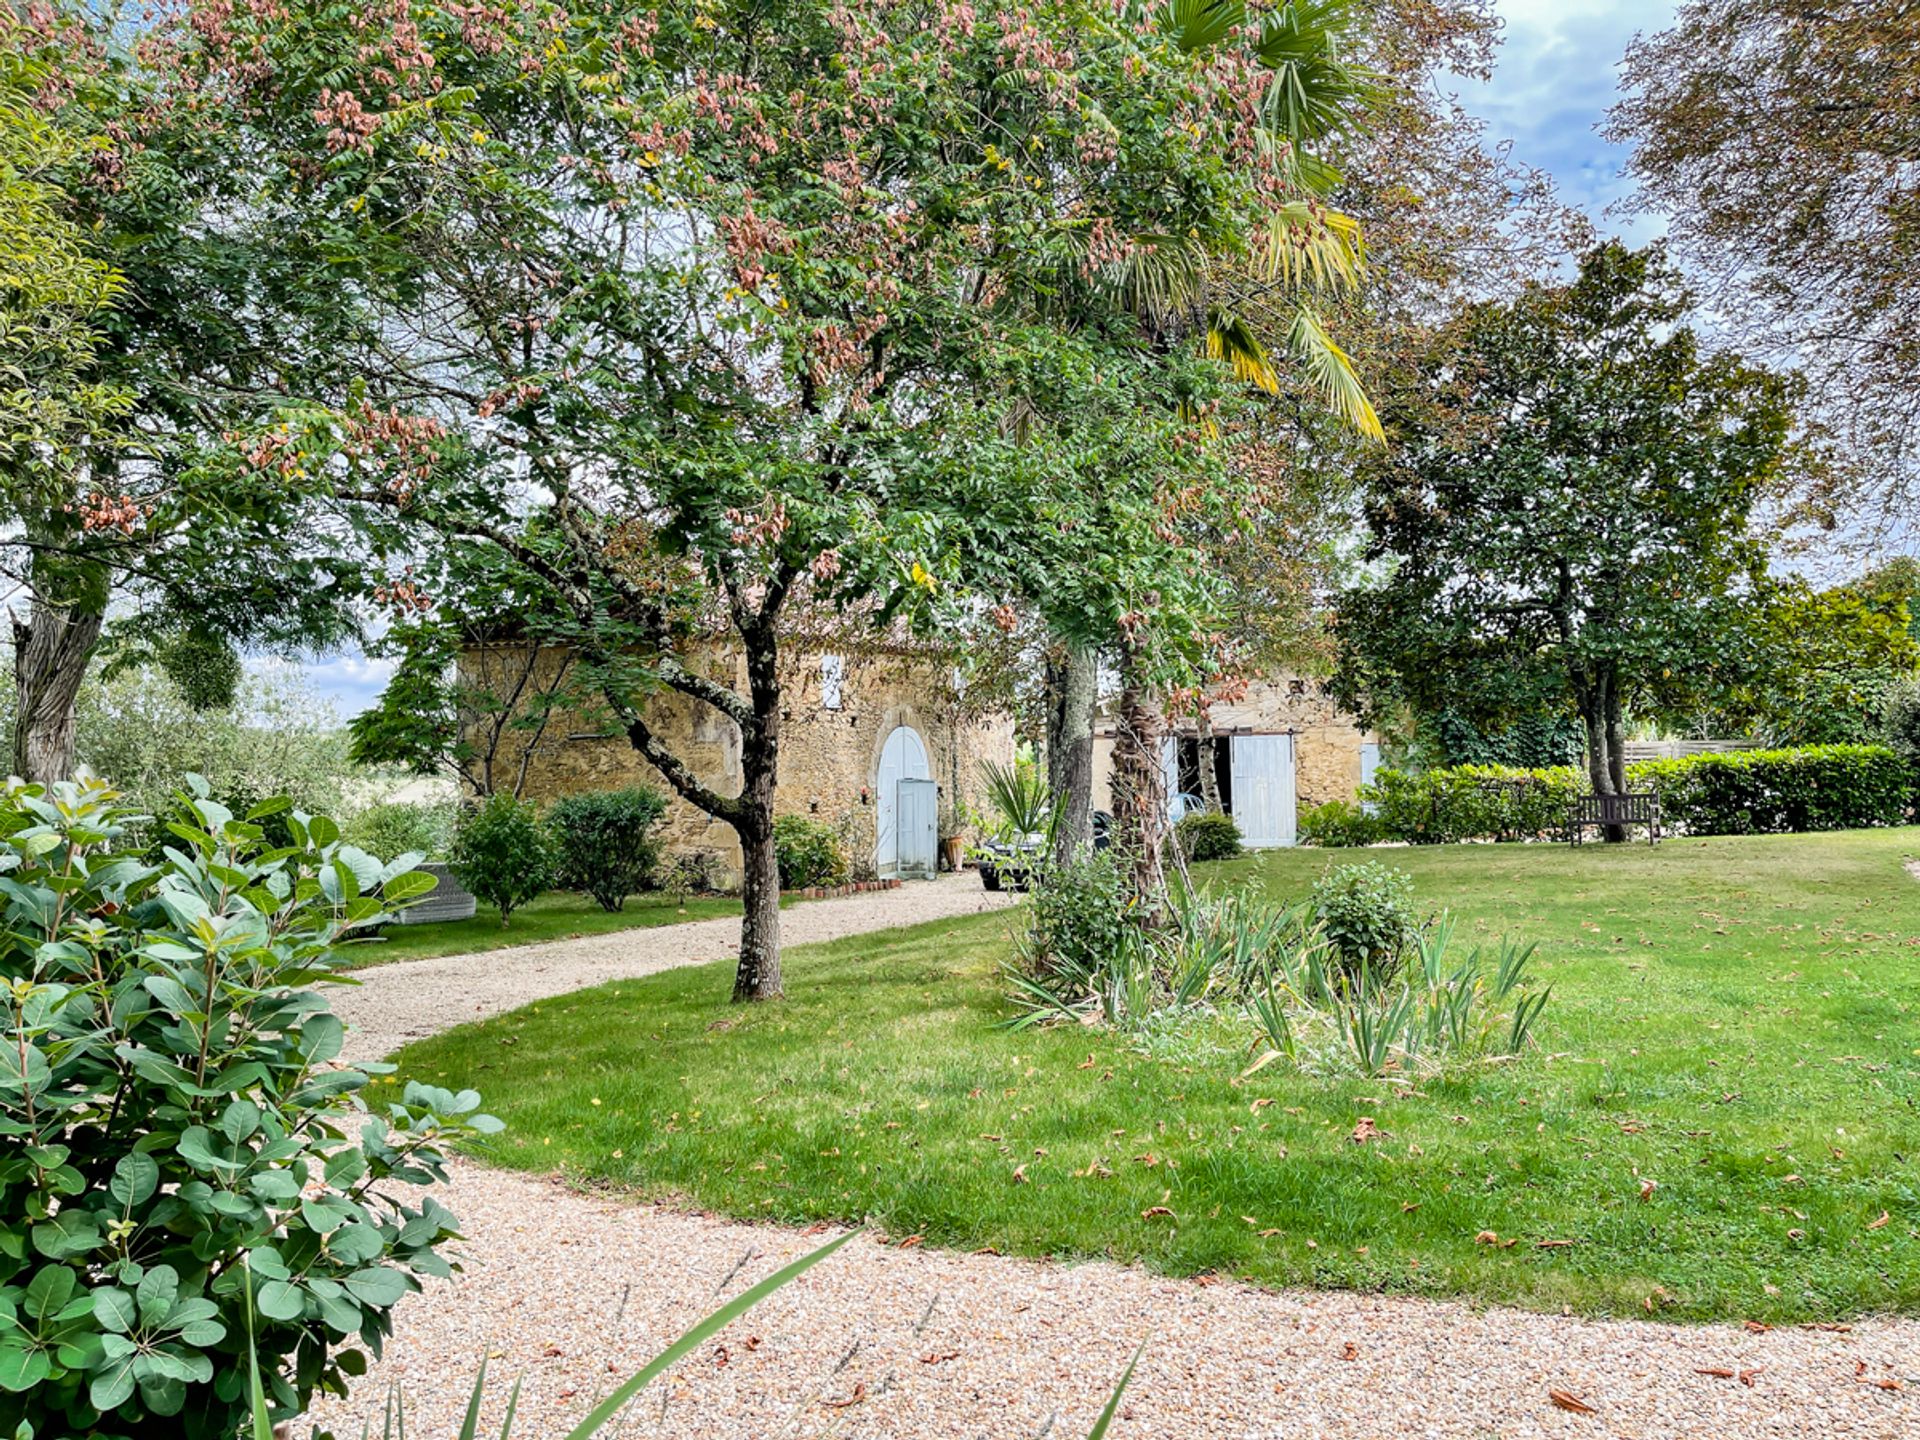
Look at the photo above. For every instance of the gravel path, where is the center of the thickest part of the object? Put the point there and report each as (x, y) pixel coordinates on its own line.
(410, 999)
(574, 1292)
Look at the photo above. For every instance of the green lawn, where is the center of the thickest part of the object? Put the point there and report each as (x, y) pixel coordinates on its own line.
(560, 915)
(1733, 1021)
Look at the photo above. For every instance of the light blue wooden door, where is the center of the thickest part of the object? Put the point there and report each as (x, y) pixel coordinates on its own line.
(919, 812)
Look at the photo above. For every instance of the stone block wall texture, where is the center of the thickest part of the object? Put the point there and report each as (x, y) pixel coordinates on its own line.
(829, 758)
(1326, 740)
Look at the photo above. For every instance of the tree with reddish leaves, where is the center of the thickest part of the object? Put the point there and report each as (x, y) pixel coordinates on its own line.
(710, 320)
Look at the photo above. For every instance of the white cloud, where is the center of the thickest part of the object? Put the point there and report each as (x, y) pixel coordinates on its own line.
(1557, 75)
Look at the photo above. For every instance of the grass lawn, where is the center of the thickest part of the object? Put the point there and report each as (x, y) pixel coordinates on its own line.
(560, 915)
(1733, 1024)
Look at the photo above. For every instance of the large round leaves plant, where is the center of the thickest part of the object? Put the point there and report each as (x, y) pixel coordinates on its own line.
(189, 1173)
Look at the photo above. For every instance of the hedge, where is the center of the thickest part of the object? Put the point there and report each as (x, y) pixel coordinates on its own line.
(1777, 792)
(1473, 802)
(1738, 792)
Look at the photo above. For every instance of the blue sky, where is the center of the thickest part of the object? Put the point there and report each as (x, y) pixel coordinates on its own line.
(1555, 80)
(1557, 73)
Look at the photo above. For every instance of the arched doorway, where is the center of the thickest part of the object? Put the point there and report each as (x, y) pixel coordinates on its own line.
(904, 792)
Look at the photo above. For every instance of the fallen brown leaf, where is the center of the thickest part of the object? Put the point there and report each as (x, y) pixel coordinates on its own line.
(1754, 1327)
(1486, 1237)
(1019, 1174)
(939, 1359)
(1554, 1244)
(859, 1394)
(1352, 1352)
(1718, 1372)
(1408, 1206)
(1746, 1376)
(1884, 1218)
(1364, 1130)
(911, 1241)
(1647, 1187)
(1566, 1400)
(1154, 1210)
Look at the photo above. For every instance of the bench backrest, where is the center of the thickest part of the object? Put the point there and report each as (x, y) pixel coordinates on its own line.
(1635, 808)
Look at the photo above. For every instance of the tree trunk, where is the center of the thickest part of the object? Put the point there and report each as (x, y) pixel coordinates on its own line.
(51, 651)
(758, 974)
(1140, 792)
(1599, 699)
(1071, 683)
(1209, 769)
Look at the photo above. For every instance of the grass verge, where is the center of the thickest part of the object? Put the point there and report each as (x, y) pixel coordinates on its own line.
(560, 915)
(1721, 1114)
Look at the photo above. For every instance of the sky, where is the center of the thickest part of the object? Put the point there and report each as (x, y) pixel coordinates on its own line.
(1551, 89)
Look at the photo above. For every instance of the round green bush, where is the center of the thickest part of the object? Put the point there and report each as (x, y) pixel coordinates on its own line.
(809, 852)
(502, 853)
(1366, 914)
(1208, 835)
(604, 842)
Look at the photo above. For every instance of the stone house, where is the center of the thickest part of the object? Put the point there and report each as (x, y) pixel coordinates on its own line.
(879, 745)
(1282, 747)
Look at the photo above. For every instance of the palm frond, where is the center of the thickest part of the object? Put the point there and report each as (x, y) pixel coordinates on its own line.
(1231, 339)
(1314, 92)
(1201, 24)
(1161, 276)
(1330, 370)
(1308, 245)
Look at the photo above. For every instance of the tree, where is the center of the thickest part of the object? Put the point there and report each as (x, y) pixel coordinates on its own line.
(144, 504)
(1565, 508)
(1814, 667)
(717, 319)
(1777, 139)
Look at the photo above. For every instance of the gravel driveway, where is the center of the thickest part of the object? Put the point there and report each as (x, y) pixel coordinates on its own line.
(574, 1292)
(410, 999)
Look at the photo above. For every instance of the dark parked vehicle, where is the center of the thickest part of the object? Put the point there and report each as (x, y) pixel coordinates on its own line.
(1008, 864)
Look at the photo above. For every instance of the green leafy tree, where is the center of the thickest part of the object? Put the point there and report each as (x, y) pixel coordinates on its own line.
(1813, 667)
(148, 504)
(1585, 532)
(726, 324)
(503, 854)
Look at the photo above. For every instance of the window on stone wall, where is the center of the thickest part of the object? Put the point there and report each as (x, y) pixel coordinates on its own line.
(833, 672)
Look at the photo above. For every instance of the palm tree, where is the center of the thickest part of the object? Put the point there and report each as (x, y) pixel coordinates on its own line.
(1235, 304)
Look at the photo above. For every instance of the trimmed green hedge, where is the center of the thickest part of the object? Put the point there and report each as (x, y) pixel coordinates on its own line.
(1739, 792)
(1778, 792)
(1473, 802)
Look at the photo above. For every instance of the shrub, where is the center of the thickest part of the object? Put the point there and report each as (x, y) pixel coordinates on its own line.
(1338, 824)
(1473, 802)
(689, 872)
(1434, 1013)
(1208, 835)
(1081, 954)
(1366, 914)
(604, 843)
(809, 852)
(502, 854)
(183, 1147)
(1774, 792)
(395, 827)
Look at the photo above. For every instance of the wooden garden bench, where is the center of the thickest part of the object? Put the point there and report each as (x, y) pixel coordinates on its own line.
(1606, 811)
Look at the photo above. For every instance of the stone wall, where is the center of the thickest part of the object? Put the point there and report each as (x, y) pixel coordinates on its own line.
(828, 756)
(1326, 740)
